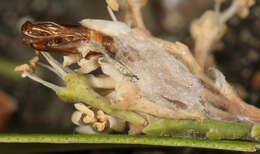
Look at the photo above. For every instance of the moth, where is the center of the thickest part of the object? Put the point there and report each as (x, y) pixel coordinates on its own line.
(52, 37)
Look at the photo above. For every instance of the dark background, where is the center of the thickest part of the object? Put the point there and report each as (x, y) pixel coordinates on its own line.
(38, 108)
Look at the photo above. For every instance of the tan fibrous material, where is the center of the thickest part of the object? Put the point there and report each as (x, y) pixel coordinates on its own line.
(23, 67)
(71, 59)
(129, 97)
(88, 65)
(28, 68)
(206, 32)
(245, 5)
(101, 81)
(89, 115)
(96, 118)
(34, 61)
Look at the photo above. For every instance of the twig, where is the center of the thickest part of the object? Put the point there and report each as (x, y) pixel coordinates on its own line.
(74, 139)
(212, 129)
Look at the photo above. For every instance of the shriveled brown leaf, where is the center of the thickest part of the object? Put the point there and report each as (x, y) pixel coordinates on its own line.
(23, 67)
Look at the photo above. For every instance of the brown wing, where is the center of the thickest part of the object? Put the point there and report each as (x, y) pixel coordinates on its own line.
(52, 37)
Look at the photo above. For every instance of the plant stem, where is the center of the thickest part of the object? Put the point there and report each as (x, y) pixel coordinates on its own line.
(127, 139)
(212, 129)
(78, 89)
(7, 69)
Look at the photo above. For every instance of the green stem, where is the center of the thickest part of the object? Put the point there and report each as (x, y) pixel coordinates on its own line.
(127, 139)
(79, 90)
(7, 69)
(212, 129)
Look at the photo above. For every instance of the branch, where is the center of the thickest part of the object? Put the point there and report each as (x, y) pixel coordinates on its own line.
(209, 128)
(70, 142)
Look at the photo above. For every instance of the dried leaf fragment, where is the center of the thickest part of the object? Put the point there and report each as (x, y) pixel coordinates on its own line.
(101, 116)
(101, 81)
(90, 116)
(34, 61)
(88, 65)
(243, 10)
(22, 68)
(71, 59)
(76, 117)
(100, 126)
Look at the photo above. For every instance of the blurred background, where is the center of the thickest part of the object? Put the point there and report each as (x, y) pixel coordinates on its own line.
(28, 107)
